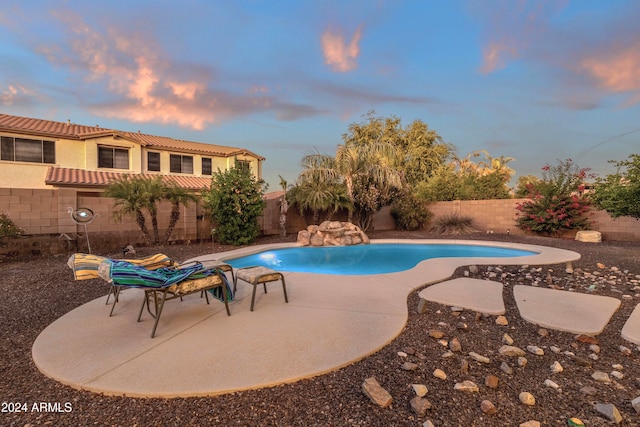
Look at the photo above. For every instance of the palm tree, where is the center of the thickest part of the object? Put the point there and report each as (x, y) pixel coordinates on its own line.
(373, 162)
(155, 190)
(130, 194)
(177, 196)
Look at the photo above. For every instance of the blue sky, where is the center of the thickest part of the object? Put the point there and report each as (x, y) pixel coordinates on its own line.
(534, 80)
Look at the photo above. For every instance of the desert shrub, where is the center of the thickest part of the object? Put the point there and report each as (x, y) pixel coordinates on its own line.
(8, 229)
(556, 202)
(619, 193)
(453, 224)
(409, 213)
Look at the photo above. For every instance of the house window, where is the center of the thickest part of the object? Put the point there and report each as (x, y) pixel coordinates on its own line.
(180, 164)
(114, 158)
(27, 150)
(244, 165)
(153, 162)
(206, 166)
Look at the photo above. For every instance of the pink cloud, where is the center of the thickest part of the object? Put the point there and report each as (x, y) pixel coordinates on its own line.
(15, 94)
(495, 56)
(617, 70)
(338, 54)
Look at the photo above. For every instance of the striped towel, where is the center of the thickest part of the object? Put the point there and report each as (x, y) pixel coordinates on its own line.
(85, 266)
(124, 273)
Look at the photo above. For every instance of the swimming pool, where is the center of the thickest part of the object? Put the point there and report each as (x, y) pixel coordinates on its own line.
(367, 259)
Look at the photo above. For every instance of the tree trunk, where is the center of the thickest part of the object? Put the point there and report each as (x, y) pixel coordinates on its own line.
(175, 216)
(143, 226)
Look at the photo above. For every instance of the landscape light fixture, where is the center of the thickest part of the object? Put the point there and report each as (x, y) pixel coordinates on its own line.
(82, 216)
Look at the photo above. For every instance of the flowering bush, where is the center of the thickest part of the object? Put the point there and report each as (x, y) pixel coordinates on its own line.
(556, 203)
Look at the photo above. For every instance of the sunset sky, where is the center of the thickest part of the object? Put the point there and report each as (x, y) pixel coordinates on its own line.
(535, 80)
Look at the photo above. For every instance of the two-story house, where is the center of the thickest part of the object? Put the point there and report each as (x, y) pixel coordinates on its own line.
(48, 168)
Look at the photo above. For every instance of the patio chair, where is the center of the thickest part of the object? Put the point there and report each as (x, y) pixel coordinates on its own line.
(85, 267)
(167, 283)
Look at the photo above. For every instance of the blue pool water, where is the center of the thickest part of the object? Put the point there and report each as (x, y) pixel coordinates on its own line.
(366, 259)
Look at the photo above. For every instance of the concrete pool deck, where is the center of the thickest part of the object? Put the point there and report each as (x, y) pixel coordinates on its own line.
(329, 322)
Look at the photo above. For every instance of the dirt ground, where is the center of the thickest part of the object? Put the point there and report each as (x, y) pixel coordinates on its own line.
(38, 291)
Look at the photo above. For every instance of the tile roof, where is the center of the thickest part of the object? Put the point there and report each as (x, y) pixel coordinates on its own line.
(83, 178)
(68, 130)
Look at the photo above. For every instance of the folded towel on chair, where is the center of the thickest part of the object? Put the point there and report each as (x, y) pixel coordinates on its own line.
(124, 273)
(85, 266)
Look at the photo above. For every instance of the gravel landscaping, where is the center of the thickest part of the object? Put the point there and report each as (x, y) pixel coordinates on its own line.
(559, 376)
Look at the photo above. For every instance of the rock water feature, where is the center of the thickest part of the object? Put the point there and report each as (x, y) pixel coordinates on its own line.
(332, 233)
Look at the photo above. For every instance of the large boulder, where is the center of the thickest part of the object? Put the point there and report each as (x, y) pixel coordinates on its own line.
(332, 233)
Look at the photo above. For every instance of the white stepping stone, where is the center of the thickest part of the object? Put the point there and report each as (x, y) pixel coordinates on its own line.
(565, 311)
(483, 296)
(631, 329)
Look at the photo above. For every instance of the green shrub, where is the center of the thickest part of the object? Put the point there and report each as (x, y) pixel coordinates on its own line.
(235, 201)
(453, 224)
(409, 213)
(8, 229)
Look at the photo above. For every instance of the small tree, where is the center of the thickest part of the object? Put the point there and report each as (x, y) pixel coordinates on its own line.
(131, 195)
(619, 193)
(556, 202)
(235, 201)
(177, 196)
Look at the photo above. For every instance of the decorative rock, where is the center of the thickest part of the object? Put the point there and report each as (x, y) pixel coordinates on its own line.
(636, 404)
(479, 358)
(464, 367)
(473, 269)
(609, 411)
(420, 405)
(554, 349)
(504, 366)
(617, 375)
(422, 306)
(534, 349)
(594, 348)
(487, 407)
(556, 367)
(491, 381)
(402, 354)
(590, 236)
(376, 393)
(454, 345)
(522, 362)
(551, 384)
(408, 366)
(575, 422)
(602, 377)
(447, 354)
(428, 423)
(502, 321)
(332, 233)
(433, 333)
(508, 350)
(530, 423)
(543, 332)
(527, 398)
(624, 350)
(506, 339)
(468, 386)
(420, 389)
(439, 373)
